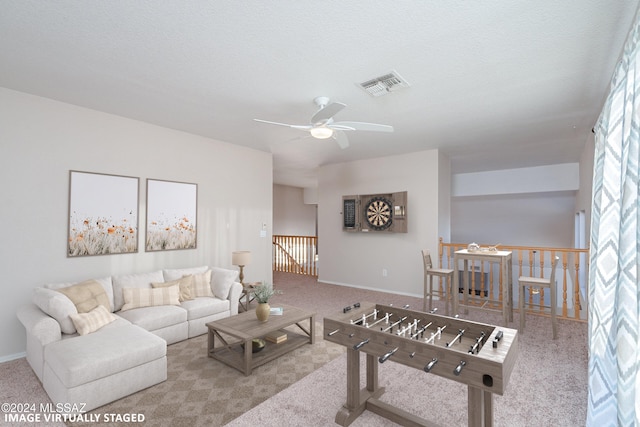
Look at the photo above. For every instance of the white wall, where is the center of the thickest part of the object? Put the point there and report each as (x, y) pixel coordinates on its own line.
(539, 179)
(43, 139)
(357, 259)
(533, 219)
(291, 216)
(584, 197)
(444, 198)
(527, 206)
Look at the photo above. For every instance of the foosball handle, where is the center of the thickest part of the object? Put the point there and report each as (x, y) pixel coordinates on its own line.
(386, 356)
(497, 338)
(429, 366)
(458, 369)
(360, 344)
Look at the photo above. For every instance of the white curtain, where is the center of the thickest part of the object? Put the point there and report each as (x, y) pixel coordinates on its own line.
(614, 293)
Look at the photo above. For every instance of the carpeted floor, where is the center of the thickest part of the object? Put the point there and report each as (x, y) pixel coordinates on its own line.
(548, 385)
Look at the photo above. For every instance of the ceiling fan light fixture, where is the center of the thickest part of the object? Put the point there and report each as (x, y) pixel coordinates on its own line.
(321, 132)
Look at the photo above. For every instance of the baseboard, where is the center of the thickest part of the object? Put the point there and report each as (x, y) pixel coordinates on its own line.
(368, 288)
(11, 357)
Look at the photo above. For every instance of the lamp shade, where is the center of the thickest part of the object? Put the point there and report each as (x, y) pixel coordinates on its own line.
(241, 258)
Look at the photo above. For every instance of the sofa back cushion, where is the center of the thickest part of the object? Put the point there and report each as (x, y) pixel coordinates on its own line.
(178, 273)
(141, 280)
(221, 281)
(57, 306)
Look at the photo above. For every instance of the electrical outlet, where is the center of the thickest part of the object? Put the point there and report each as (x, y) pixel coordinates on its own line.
(384, 272)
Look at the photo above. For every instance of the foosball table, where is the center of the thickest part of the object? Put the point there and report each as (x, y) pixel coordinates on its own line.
(479, 355)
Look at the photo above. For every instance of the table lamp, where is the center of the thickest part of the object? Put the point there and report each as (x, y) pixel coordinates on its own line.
(241, 259)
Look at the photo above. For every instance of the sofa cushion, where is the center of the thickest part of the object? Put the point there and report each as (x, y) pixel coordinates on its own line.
(86, 323)
(105, 282)
(201, 286)
(221, 281)
(174, 274)
(142, 280)
(204, 306)
(82, 359)
(141, 297)
(86, 296)
(57, 306)
(158, 317)
(184, 284)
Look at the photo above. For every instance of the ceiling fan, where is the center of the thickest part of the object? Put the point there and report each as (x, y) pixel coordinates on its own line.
(322, 125)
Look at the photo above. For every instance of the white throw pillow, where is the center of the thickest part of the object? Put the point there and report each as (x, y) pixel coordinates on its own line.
(222, 280)
(58, 306)
(89, 322)
(148, 297)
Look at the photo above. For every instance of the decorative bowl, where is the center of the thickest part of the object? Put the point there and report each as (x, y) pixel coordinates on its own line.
(257, 345)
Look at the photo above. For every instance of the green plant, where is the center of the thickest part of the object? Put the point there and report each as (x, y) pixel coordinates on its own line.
(264, 291)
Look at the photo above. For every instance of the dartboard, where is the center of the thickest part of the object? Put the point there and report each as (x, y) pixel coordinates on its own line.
(378, 212)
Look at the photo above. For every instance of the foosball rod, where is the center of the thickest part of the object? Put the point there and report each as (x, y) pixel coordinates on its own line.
(402, 319)
(365, 317)
(436, 334)
(421, 331)
(385, 318)
(459, 336)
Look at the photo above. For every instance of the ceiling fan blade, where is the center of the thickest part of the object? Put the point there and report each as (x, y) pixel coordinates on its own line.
(341, 139)
(339, 127)
(372, 127)
(303, 127)
(327, 112)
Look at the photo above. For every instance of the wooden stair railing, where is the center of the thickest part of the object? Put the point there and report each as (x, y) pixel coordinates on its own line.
(295, 254)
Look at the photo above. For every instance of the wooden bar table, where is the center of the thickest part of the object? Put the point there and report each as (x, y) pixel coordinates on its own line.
(503, 258)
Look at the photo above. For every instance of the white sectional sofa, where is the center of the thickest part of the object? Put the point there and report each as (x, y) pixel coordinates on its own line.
(87, 354)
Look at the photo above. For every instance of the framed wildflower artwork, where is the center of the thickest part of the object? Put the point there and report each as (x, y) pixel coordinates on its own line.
(103, 214)
(171, 215)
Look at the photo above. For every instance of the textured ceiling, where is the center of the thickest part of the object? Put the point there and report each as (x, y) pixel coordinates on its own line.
(494, 84)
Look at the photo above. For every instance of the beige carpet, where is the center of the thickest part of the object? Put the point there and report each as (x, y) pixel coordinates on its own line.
(548, 386)
(199, 391)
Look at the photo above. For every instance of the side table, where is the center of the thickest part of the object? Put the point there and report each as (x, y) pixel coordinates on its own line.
(247, 288)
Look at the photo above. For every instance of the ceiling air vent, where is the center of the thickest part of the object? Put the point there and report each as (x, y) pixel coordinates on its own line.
(384, 84)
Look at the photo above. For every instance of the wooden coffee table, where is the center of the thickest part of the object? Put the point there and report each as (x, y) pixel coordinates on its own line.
(235, 331)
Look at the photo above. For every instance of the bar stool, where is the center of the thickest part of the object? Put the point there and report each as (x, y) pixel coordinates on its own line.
(538, 282)
(443, 273)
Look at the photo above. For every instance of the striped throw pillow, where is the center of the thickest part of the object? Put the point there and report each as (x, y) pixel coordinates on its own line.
(201, 285)
(149, 297)
(86, 323)
(185, 284)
